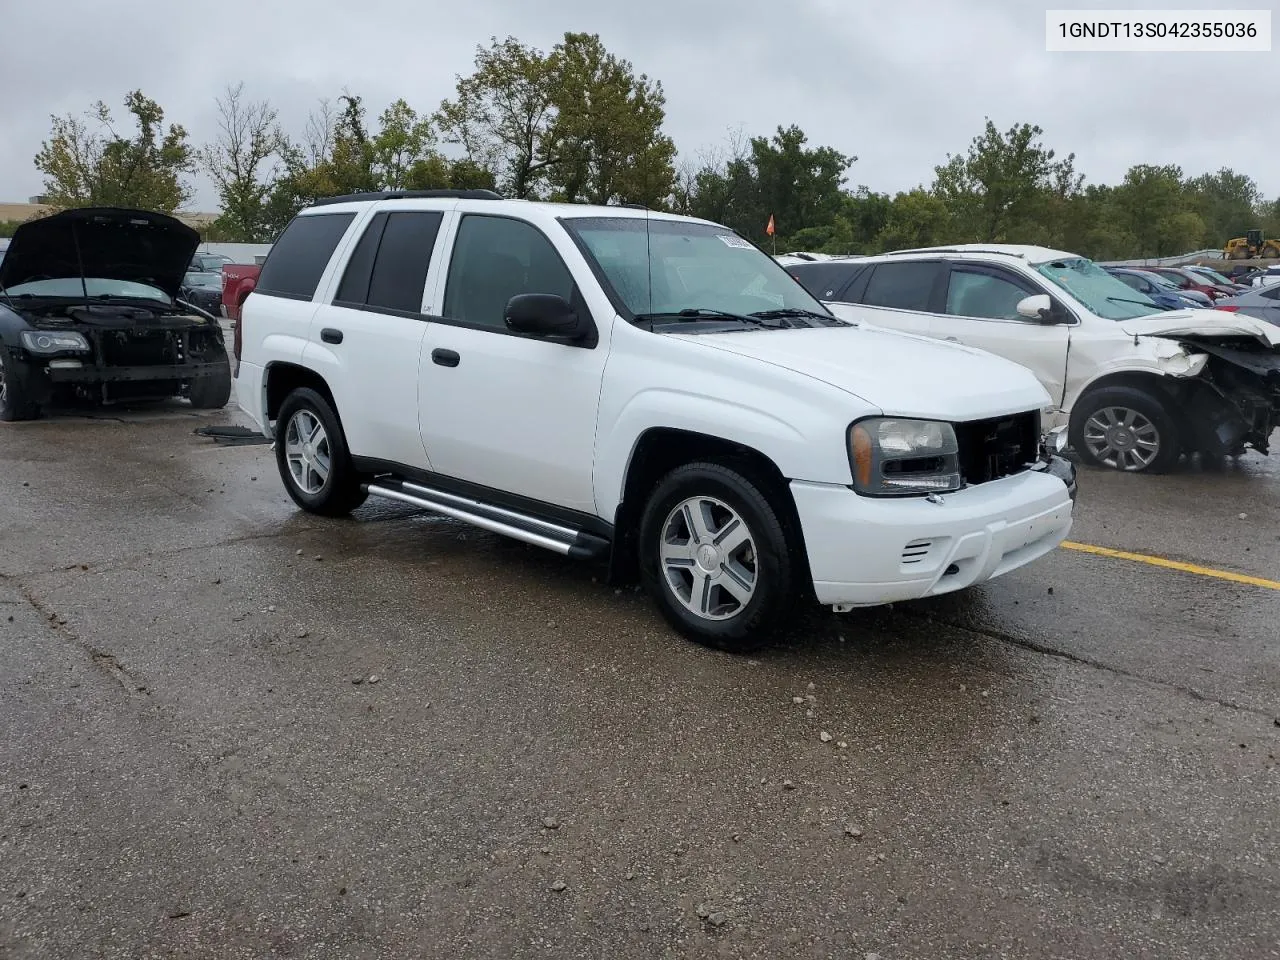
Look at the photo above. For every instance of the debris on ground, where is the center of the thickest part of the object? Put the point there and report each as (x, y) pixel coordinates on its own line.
(232, 436)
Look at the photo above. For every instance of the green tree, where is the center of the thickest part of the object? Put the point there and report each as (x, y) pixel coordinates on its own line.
(800, 186)
(239, 163)
(1227, 202)
(1151, 205)
(502, 114)
(404, 150)
(606, 142)
(917, 218)
(996, 189)
(85, 162)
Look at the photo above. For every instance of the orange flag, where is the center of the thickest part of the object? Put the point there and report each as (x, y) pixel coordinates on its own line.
(769, 229)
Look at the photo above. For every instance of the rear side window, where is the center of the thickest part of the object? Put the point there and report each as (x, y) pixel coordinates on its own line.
(298, 258)
(826, 281)
(388, 268)
(903, 286)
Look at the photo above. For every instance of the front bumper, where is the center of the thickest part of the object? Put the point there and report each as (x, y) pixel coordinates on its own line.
(867, 552)
(103, 374)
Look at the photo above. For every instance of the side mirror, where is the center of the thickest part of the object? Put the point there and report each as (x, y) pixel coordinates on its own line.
(1038, 307)
(544, 315)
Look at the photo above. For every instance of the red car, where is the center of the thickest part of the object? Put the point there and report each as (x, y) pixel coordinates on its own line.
(1190, 280)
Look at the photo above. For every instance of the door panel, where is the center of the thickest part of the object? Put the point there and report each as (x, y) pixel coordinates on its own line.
(980, 310)
(373, 331)
(507, 411)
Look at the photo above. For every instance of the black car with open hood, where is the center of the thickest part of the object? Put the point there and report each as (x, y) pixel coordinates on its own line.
(91, 310)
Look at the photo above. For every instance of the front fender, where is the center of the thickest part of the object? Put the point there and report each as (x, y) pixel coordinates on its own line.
(1153, 356)
(802, 447)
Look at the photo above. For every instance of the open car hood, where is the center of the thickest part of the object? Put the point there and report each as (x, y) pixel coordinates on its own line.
(111, 243)
(1203, 323)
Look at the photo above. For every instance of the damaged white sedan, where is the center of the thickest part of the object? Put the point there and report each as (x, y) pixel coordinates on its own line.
(1135, 386)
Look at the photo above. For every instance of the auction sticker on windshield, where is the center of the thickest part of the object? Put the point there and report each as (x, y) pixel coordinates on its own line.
(738, 242)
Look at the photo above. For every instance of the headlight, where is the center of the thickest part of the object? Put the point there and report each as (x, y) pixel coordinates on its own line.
(893, 457)
(54, 341)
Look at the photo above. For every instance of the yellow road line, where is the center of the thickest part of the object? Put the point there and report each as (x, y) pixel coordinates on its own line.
(1173, 565)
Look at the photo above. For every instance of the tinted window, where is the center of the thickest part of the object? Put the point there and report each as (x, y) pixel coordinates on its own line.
(971, 293)
(494, 259)
(400, 269)
(824, 280)
(354, 288)
(905, 286)
(298, 258)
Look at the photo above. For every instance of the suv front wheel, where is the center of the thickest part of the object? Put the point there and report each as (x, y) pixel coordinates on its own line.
(312, 456)
(715, 556)
(1124, 428)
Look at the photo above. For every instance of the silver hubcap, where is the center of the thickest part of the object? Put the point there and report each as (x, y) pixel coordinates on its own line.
(708, 558)
(1122, 438)
(306, 450)
(4, 387)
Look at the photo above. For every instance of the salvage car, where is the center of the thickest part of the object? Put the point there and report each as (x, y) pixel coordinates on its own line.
(203, 289)
(1137, 386)
(90, 312)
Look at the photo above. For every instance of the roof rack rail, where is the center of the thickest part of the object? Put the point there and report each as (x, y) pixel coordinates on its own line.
(410, 195)
(1002, 253)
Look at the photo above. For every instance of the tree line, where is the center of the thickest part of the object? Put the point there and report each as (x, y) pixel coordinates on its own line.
(577, 123)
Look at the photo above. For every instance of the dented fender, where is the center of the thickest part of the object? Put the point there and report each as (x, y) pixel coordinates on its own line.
(1097, 359)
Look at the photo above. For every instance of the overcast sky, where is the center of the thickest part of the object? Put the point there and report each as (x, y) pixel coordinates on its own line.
(897, 84)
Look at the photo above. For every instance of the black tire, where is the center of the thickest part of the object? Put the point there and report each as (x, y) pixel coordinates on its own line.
(340, 491)
(772, 554)
(212, 393)
(13, 404)
(1146, 405)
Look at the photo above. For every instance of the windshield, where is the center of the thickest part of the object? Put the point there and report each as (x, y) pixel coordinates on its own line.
(71, 288)
(207, 280)
(1102, 293)
(665, 266)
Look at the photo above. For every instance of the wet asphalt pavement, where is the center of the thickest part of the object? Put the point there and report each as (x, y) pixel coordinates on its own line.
(233, 730)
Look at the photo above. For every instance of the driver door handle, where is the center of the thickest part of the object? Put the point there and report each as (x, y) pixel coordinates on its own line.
(445, 358)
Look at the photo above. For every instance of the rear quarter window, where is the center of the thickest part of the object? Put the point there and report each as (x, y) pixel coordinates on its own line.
(903, 285)
(298, 258)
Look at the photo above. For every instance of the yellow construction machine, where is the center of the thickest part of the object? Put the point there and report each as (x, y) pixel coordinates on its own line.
(1249, 246)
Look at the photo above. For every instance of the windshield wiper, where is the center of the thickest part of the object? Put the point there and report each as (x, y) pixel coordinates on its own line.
(694, 314)
(1136, 302)
(810, 315)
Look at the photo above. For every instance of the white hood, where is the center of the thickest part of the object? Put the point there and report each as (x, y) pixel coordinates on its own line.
(1204, 323)
(902, 374)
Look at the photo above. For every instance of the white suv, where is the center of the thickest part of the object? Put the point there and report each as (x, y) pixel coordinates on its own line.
(613, 383)
(1137, 385)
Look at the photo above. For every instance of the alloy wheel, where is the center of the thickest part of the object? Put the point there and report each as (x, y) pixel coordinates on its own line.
(708, 558)
(306, 450)
(1122, 438)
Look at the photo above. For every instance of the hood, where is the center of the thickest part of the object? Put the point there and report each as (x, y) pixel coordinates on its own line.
(903, 374)
(1202, 323)
(112, 243)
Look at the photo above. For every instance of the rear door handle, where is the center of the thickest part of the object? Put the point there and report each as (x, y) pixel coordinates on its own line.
(446, 358)
(330, 335)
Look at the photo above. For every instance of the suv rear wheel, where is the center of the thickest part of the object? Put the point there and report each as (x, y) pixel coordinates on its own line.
(715, 556)
(312, 456)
